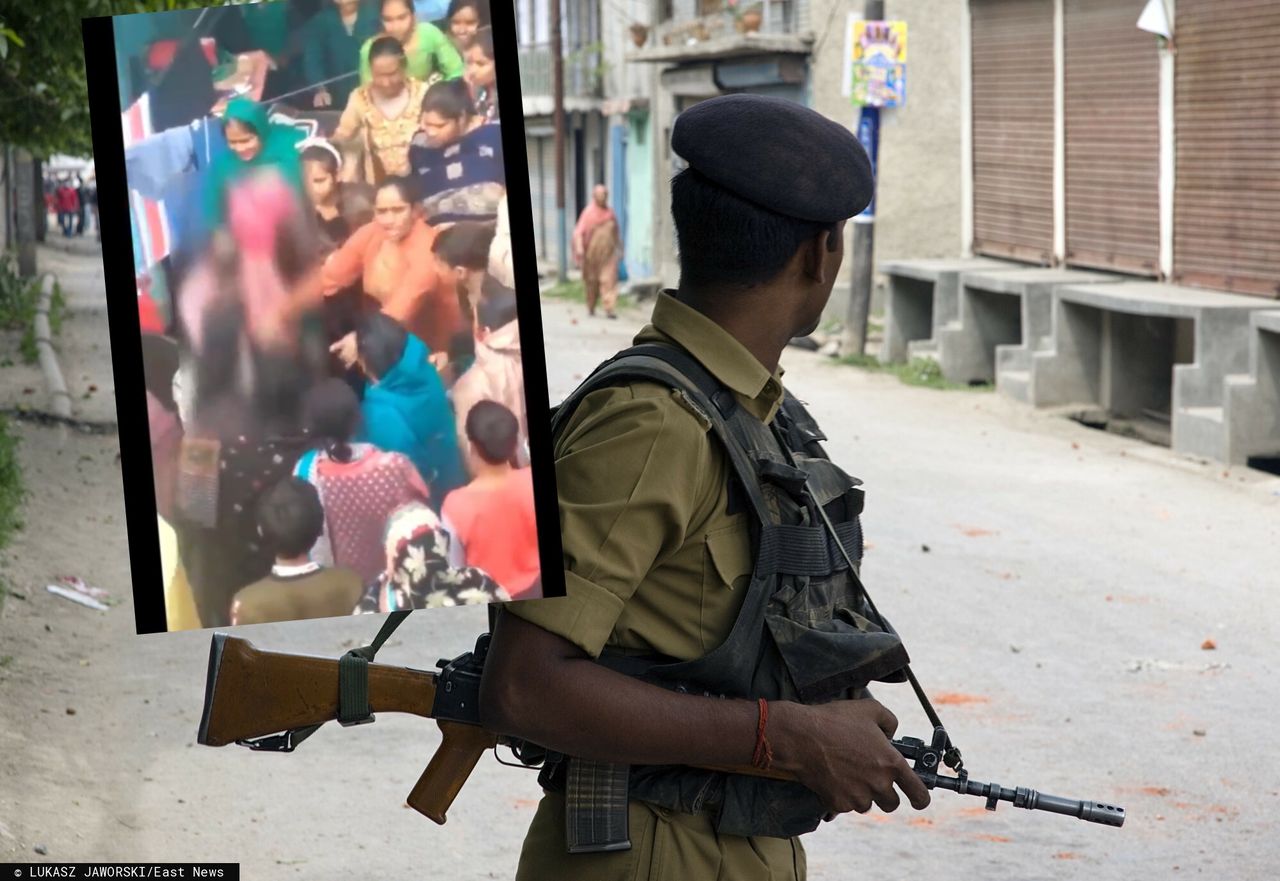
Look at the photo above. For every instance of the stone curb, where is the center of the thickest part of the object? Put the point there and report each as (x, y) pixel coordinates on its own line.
(59, 398)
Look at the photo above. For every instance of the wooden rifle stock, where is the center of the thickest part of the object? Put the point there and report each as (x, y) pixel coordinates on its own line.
(252, 693)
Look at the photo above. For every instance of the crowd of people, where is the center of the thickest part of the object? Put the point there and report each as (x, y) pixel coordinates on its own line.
(335, 391)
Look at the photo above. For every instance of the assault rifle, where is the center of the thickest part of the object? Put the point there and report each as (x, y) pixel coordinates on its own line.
(271, 701)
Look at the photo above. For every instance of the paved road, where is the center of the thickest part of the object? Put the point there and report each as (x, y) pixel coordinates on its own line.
(1057, 618)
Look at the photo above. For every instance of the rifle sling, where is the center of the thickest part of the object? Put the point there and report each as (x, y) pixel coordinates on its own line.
(353, 693)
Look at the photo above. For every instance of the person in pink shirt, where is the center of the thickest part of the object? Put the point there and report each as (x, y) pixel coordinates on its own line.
(491, 521)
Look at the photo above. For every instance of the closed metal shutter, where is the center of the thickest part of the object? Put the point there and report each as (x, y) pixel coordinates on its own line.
(1226, 129)
(1111, 97)
(1013, 128)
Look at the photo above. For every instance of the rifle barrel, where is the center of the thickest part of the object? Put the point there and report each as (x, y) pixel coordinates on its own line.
(1023, 797)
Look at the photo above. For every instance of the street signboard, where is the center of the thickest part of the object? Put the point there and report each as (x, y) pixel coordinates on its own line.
(878, 63)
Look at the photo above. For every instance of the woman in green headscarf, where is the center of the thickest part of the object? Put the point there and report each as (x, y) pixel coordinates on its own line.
(253, 143)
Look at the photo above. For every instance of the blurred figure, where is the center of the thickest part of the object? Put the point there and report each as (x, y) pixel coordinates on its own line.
(68, 207)
(250, 369)
(497, 373)
(405, 408)
(333, 49)
(430, 55)
(392, 257)
(465, 18)
(359, 485)
(418, 574)
(500, 266)
(456, 158)
(254, 143)
(91, 193)
(492, 520)
(291, 519)
(81, 205)
(597, 248)
(381, 117)
(481, 76)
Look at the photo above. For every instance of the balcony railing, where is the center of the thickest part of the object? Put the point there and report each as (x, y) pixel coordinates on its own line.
(583, 71)
(707, 29)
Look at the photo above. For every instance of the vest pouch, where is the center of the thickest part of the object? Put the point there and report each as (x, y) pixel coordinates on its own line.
(835, 491)
(826, 642)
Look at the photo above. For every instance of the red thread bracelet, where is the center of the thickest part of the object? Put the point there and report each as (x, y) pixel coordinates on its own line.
(762, 758)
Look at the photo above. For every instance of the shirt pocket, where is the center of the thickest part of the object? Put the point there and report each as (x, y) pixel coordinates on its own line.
(726, 560)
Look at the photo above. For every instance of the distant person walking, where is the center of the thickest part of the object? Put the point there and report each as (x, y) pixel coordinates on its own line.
(82, 196)
(597, 249)
(68, 207)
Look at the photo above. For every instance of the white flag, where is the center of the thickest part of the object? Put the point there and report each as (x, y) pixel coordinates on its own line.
(1155, 19)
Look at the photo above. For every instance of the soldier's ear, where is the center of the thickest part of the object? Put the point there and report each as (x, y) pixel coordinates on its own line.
(813, 255)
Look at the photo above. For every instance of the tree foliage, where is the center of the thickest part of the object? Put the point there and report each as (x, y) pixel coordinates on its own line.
(44, 102)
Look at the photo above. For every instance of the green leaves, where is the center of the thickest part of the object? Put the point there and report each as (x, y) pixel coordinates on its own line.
(7, 36)
(43, 98)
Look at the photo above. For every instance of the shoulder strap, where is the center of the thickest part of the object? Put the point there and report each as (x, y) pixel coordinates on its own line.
(676, 369)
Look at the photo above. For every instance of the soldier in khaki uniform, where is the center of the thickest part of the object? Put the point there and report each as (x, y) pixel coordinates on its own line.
(658, 551)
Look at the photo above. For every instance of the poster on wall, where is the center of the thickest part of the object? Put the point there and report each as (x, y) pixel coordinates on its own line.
(878, 63)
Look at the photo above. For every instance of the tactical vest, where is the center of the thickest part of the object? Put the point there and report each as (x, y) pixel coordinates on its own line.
(802, 634)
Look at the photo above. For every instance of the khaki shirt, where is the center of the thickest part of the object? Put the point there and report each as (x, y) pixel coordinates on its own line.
(653, 560)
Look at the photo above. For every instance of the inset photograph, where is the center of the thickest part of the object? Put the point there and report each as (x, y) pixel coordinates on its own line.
(329, 327)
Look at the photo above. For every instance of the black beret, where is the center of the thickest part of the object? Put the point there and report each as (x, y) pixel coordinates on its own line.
(777, 154)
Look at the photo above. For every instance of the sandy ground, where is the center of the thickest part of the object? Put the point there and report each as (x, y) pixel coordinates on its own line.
(1057, 618)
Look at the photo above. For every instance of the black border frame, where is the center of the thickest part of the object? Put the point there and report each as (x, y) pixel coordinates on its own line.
(137, 469)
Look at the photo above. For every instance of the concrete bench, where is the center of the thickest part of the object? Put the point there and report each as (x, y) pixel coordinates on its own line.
(1004, 315)
(1149, 353)
(921, 298)
(1251, 409)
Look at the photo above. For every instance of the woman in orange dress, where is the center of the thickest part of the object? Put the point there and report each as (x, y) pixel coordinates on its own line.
(392, 258)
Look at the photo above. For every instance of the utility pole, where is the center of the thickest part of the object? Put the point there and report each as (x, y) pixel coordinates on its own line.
(864, 229)
(557, 93)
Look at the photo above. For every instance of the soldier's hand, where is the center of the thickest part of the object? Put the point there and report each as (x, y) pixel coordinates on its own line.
(843, 752)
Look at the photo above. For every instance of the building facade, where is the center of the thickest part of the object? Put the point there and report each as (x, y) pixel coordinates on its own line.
(586, 133)
(699, 49)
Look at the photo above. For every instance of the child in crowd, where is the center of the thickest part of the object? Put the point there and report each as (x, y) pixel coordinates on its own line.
(491, 521)
(290, 519)
(359, 484)
(480, 75)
